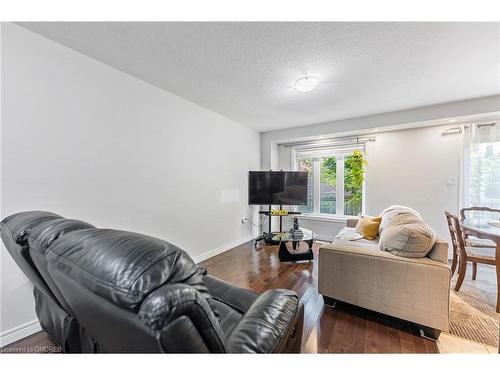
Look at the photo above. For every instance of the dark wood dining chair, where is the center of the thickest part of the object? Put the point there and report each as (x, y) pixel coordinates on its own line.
(454, 242)
(475, 255)
(473, 241)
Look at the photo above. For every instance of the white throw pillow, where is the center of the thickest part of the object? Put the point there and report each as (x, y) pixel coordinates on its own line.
(413, 240)
(396, 207)
(397, 215)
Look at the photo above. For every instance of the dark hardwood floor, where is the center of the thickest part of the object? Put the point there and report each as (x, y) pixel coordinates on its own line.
(343, 329)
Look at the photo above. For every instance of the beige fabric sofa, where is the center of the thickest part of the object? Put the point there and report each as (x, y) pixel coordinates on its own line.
(412, 289)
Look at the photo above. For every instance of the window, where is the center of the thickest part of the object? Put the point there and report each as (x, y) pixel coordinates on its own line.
(328, 185)
(482, 167)
(305, 165)
(335, 180)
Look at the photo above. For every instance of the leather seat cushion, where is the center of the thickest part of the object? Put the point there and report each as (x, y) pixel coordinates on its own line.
(228, 317)
(239, 299)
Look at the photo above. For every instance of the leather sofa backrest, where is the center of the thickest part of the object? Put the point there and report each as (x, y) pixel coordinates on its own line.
(51, 308)
(14, 231)
(123, 267)
(134, 293)
(44, 234)
(41, 237)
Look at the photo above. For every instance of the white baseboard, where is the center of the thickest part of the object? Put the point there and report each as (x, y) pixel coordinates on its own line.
(19, 332)
(222, 249)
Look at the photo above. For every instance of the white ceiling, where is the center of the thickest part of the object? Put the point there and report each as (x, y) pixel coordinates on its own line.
(245, 71)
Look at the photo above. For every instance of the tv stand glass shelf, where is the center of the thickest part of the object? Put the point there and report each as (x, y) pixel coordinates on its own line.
(289, 243)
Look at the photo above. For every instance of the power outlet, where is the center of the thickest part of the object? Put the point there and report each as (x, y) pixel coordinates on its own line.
(243, 220)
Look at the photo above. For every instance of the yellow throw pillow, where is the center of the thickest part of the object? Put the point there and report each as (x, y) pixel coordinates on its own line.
(376, 219)
(368, 227)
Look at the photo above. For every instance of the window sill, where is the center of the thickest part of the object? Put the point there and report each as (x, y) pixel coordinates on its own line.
(331, 218)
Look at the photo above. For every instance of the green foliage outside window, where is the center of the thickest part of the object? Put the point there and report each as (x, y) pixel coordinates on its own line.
(329, 171)
(354, 175)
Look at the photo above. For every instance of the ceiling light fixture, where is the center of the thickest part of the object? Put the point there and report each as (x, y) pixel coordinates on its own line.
(306, 83)
(452, 120)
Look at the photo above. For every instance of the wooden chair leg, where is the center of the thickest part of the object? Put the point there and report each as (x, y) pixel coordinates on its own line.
(474, 270)
(461, 274)
(454, 263)
(497, 266)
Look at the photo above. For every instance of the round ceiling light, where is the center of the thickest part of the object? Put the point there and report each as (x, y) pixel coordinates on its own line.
(306, 83)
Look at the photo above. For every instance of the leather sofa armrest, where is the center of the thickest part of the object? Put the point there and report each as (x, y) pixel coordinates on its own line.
(351, 223)
(273, 321)
(179, 301)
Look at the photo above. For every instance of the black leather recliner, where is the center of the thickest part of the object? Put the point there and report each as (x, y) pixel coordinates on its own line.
(115, 291)
(52, 312)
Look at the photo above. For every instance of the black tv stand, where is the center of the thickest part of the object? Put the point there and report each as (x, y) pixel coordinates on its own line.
(268, 237)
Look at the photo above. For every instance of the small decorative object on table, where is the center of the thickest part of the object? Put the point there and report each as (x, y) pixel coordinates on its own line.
(295, 230)
(293, 238)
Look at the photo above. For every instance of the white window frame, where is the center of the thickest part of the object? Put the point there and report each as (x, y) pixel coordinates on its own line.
(339, 154)
(486, 131)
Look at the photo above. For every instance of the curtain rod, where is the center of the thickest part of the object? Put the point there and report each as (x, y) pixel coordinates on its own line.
(490, 125)
(332, 141)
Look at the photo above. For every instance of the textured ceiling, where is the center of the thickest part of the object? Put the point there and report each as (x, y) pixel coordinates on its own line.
(245, 71)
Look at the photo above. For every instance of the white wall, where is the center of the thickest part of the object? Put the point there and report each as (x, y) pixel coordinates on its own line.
(419, 168)
(415, 167)
(84, 140)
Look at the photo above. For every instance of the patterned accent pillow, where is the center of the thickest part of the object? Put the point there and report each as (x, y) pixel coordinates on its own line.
(348, 234)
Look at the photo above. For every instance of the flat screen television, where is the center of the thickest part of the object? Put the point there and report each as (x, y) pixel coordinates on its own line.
(277, 187)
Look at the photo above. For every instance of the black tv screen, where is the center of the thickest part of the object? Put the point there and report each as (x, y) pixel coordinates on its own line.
(280, 187)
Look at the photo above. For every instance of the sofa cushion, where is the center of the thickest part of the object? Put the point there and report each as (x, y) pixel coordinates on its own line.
(228, 317)
(412, 240)
(368, 227)
(439, 251)
(238, 299)
(372, 249)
